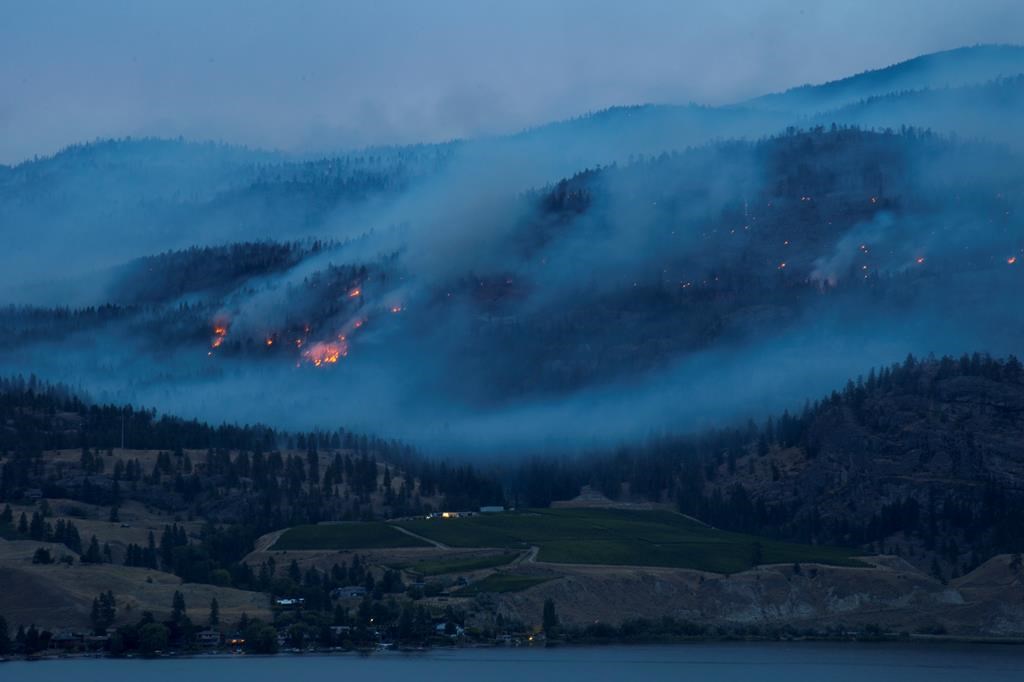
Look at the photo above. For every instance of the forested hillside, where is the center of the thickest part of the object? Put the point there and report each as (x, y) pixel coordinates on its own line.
(921, 459)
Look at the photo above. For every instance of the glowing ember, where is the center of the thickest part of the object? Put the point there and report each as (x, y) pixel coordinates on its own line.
(354, 293)
(270, 341)
(358, 324)
(920, 259)
(782, 266)
(321, 353)
(220, 330)
(1011, 260)
(396, 308)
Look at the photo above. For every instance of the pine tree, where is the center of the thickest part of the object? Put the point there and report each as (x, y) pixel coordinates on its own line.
(93, 555)
(5, 637)
(177, 606)
(104, 611)
(550, 619)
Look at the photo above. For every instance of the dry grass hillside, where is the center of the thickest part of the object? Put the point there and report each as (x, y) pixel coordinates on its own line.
(57, 595)
(892, 594)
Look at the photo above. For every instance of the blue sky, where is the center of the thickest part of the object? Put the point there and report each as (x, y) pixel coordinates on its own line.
(322, 75)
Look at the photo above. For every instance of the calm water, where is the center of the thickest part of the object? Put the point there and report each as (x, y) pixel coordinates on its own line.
(698, 662)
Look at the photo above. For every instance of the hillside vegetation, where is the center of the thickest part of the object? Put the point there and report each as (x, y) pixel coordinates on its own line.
(620, 537)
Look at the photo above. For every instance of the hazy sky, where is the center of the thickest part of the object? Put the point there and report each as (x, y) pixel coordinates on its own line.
(324, 74)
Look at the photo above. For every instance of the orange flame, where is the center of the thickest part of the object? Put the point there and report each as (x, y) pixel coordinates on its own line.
(1011, 260)
(920, 259)
(220, 330)
(355, 292)
(396, 308)
(321, 353)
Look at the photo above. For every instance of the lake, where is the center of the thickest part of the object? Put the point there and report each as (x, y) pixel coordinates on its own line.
(699, 662)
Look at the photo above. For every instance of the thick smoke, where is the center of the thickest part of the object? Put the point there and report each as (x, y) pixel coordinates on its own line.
(466, 298)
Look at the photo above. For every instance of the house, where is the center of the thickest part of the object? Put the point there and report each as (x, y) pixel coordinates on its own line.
(208, 638)
(349, 592)
(442, 629)
(493, 509)
(67, 640)
(96, 642)
(289, 602)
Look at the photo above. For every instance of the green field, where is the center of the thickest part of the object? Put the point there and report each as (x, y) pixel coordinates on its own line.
(502, 582)
(620, 537)
(345, 536)
(429, 567)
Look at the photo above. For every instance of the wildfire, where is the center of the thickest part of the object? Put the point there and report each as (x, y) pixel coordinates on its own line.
(396, 308)
(782, 266)
(920, 260)
(322, 353)
(1011, 260)
(220, 331)
(355, 292)
(269, 341)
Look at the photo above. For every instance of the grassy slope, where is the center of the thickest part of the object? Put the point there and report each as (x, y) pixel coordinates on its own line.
(502, 583)
(621, 537)
(55, 596)
(345, 536)
(429, 567)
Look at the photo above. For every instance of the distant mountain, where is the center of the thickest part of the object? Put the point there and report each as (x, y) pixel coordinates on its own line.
(133, 169)
(952, 68)
(616, 247)
(990, 111)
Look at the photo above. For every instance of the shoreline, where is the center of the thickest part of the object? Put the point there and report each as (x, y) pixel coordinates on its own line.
(926, 640)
